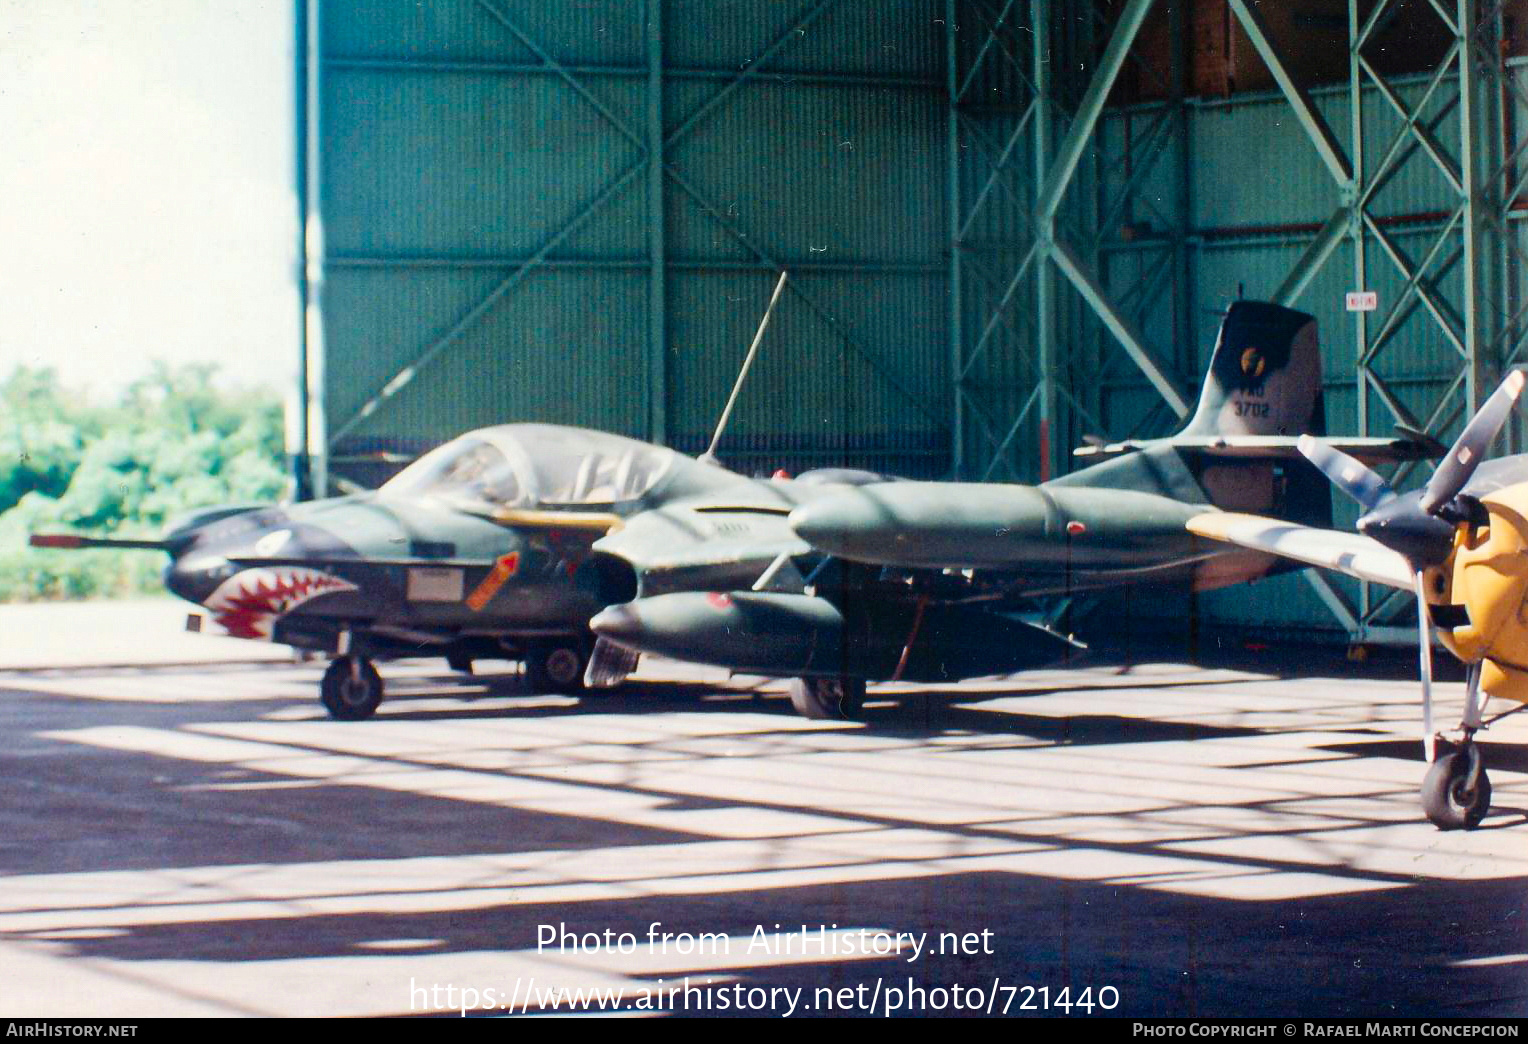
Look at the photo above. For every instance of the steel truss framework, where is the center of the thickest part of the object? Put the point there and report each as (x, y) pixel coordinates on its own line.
(1464, 277)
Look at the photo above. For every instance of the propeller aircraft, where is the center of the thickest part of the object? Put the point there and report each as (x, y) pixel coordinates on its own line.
(1460, 546)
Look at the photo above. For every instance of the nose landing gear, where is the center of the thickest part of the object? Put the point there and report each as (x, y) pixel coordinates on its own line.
(351, 689)
(1456, 793)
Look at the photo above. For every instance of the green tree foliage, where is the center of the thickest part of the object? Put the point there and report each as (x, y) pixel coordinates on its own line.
(172, 442)
(39, 445)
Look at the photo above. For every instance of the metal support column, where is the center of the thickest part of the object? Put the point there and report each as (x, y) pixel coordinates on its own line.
(657, 300)
(1184, 327)
(313, 477)
(953, 203)
(1045, 280)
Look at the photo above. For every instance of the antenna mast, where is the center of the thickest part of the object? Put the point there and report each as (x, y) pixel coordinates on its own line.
(709, 455)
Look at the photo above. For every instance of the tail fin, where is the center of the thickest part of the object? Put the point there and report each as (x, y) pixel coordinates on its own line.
(1265, 375)
(1264, 384)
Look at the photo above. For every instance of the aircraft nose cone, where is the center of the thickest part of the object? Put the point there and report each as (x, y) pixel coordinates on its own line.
(196, 578)
(619, 623)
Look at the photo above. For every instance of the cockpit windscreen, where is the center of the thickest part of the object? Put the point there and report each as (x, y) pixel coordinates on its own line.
(469, 472)
(578, 467)
(531, 465)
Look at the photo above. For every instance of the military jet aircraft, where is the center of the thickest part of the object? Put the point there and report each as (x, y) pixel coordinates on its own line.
(897, 568)
(506, 541)
(1460, 545)
(480, 549)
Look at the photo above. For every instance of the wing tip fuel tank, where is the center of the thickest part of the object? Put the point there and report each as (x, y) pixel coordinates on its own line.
(743, 630)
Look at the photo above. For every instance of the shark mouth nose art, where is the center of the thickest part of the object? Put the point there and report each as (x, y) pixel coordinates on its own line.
(248, 604)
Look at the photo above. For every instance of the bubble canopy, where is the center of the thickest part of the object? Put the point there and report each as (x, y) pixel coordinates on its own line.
(536, 465)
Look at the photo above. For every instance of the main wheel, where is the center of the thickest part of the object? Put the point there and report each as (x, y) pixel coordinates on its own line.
(1445, 798)
(556, 666)
(828, 698)
(351, 689)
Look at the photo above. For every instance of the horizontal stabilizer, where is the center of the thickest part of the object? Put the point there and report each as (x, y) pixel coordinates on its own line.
(1350, 553)
(73, 541)
(1368, 450)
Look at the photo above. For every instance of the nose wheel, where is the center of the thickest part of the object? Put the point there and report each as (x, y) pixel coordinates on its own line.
(351, 689)
(1457, 793)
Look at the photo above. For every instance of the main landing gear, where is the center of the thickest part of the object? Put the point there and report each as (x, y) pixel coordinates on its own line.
(556, 666)
(828, 698)
(1456, 793)
(351, 689)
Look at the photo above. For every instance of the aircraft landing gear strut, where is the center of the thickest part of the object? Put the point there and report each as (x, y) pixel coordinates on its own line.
(351, 689)
(1457, 792)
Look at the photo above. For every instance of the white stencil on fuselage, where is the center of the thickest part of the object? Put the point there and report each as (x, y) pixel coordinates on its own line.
(435, 585)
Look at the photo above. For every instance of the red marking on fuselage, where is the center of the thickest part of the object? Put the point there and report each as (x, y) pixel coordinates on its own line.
(503, 569)
(248, 609)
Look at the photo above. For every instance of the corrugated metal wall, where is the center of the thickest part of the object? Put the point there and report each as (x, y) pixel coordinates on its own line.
(494, 234)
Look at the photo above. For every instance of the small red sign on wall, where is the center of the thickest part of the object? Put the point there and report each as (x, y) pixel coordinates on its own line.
(1363, 301)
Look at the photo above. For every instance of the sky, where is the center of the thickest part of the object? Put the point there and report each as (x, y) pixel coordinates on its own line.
(147, 188)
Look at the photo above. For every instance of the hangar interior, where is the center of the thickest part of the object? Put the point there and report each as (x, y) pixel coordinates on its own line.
(1008, 224)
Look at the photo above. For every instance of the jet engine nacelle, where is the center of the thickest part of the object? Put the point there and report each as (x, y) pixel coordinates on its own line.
(744, 630)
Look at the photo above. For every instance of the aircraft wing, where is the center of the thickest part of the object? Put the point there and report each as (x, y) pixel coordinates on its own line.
(1350, 553)
(710, 554)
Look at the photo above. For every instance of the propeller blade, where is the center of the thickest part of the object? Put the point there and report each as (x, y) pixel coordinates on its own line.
(1352, 476)
(1424, 643)
(1465, 455)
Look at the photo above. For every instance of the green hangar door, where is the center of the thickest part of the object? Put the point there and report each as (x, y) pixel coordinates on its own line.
(574, 211)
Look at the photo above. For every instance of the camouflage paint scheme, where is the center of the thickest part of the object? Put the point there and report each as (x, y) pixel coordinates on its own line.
(945, 554)
(513, 541)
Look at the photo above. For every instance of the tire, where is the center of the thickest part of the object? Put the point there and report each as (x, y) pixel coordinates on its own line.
(828, 699)
(351, 689)
(1447, 804)
(556, 667)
